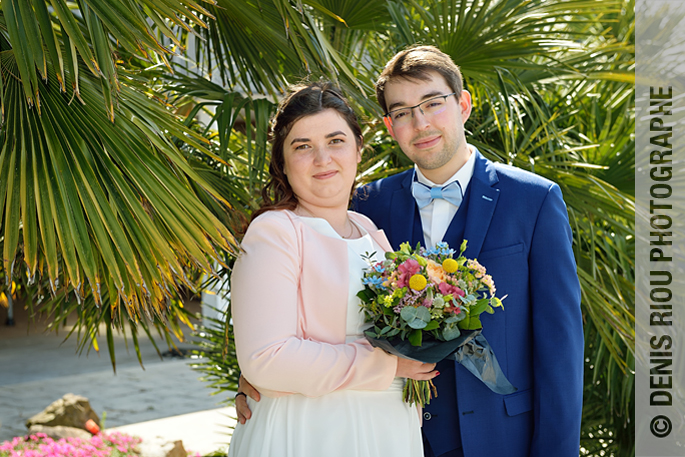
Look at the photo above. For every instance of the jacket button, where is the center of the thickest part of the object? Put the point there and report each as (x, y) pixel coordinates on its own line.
(427, 416)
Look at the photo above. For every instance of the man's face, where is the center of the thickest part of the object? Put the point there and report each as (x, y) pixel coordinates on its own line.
(436, 143)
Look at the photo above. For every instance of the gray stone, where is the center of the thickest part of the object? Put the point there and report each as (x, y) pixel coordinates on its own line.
(159, 447)
(69, 411)
(59, 431)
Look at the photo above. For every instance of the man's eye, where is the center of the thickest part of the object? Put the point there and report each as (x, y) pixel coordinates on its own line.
(399, 114)
(435, 104)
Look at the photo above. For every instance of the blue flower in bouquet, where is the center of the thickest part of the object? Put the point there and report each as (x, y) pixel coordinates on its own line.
(440, 249)
(375, 281)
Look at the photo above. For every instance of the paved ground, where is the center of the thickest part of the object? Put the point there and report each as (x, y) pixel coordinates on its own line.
(164, 399)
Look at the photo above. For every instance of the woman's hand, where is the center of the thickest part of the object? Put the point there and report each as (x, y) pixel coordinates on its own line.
(414, 369)
(241, 407)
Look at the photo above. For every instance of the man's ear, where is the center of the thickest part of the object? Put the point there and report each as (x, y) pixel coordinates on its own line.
(465, 105)
(388, 124)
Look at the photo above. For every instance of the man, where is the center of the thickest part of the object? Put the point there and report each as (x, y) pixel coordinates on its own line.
(516, 225)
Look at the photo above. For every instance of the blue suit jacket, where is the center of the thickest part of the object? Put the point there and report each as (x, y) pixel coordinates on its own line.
(517, 227)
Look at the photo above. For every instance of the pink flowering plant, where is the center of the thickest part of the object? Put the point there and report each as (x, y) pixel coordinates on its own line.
(425, 304)
(114, 444)
(101, 445)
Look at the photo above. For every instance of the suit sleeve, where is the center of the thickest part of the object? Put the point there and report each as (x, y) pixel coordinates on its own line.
(265, 304)
(557, 333)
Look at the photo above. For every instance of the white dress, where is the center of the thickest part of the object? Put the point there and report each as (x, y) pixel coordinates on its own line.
(345, 423)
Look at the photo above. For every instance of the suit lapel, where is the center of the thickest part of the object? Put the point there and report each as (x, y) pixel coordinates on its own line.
(482, 203)
(402, 214)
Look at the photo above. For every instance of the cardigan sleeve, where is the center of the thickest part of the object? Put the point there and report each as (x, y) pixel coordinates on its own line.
(264, 303)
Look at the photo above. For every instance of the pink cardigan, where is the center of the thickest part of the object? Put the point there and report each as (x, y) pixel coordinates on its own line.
(289, 302)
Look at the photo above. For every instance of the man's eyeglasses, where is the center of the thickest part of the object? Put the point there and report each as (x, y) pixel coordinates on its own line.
(429, 108)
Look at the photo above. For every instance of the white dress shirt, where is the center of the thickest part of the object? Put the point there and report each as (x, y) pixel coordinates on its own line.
(437, 215)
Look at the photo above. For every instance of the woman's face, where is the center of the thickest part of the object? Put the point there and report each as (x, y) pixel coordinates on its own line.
(321, 157)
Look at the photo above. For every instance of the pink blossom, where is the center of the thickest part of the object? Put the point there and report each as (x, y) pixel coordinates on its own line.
(409, 266)
(449, 289)
(407, 269)
(101, 445)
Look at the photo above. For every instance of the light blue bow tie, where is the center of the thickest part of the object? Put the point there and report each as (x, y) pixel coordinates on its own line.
(424, 194)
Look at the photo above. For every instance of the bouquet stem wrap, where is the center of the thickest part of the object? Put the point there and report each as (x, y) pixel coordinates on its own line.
(470, 349)
(477, 356)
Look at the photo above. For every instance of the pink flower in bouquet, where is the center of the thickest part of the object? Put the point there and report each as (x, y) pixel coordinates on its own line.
(487, 280)
(449, 289)
(407, 269)
(474, 265)
(452, 309)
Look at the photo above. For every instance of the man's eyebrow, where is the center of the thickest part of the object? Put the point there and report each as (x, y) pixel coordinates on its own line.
(431, 94)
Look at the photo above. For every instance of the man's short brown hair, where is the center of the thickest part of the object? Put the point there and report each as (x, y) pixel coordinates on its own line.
(415, 63)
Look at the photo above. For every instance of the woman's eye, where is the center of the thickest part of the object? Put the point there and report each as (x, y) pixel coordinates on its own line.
(337, 140)
(301, 147)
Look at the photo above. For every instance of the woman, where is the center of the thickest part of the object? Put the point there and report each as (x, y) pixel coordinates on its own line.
(298, 329)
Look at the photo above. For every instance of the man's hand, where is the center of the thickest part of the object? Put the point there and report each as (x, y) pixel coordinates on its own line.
(241, 407)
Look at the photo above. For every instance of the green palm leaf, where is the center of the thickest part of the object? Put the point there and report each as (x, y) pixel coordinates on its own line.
(103, 205)
(531, 38)
(91, 29)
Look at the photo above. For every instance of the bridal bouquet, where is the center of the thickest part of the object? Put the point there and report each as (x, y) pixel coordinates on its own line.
(425, 304)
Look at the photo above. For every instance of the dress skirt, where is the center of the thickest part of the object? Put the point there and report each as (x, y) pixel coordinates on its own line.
(345, 423)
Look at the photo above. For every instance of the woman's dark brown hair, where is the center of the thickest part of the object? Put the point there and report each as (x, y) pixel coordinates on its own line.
(302, 100)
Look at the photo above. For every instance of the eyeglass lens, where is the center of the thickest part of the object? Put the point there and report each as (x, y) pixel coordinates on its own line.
(429, 108)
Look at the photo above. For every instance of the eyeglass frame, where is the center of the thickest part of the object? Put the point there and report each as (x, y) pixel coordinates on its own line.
(411, 108)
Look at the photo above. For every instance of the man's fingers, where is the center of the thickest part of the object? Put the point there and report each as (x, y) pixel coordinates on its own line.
(250, 391)
(242, 409)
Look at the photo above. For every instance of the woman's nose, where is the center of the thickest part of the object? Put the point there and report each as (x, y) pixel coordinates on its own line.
(321, 155)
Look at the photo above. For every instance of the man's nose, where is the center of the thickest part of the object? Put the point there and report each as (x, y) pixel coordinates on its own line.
(419, 119)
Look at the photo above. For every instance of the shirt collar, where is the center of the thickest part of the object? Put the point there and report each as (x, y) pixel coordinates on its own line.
(463, 175)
